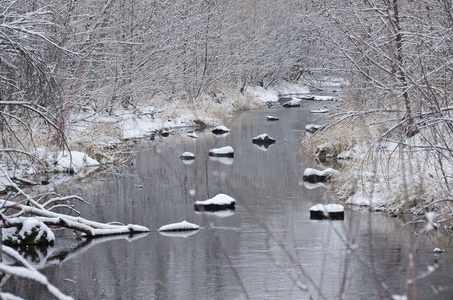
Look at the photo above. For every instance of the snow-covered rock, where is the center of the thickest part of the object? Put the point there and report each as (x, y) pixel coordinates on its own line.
(187, 156)
(313, 175)
(219, 202)
(181, 226)
(272, 118)
(327, 211)
(32, 232)
(220, 129)
(227, 151)
(65, 161)
(312, 128)
(263, 139)
(294, 102)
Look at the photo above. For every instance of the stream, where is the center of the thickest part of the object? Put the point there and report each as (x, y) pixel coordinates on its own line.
(267, 248)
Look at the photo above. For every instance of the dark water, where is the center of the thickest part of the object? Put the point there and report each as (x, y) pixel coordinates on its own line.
(268, 248)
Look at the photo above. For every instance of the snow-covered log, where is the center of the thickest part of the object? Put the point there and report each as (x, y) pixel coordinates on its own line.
(327, 211)
(219, 202)
(87, 227)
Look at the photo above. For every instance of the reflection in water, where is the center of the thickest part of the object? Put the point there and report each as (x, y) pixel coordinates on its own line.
(182, 234)
(223, 160)
(267, 248)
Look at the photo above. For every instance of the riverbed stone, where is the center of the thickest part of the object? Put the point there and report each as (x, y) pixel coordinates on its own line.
(219, 202)
(227, 151)
(263, 139)
(327, 211)
(314, 176)
(220, 130)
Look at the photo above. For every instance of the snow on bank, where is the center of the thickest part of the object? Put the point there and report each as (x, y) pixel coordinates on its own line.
(294, 102)
(106, 129)
(66, 161)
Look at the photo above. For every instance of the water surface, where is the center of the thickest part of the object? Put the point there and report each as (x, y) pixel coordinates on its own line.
(268, 248)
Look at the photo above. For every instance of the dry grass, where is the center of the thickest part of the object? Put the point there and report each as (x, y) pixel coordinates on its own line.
(402, 181)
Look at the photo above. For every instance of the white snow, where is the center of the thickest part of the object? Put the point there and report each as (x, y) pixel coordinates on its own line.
(287, 88)
(319, 110)
(220, 199)
(312, 127)
(184, 225)
(65, 160)
(293, 102)
(222, 151)
(328, 208)
(134, 126)
(28, 225)
(31, 223)
(262, 95)
(345, 155)
(324, 98)
(361, 199)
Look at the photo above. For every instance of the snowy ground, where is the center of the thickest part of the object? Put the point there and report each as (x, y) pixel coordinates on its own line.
(94, 132)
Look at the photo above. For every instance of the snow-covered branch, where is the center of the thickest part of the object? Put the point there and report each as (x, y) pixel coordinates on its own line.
(89, 228)
(28, 272)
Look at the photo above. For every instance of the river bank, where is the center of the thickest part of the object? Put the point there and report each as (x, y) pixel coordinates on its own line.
(384, 170)
(105, 134)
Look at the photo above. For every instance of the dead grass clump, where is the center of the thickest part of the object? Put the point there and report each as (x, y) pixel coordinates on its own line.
(335, 139)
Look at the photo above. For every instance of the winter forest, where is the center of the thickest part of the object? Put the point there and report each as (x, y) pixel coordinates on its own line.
(64, 63)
